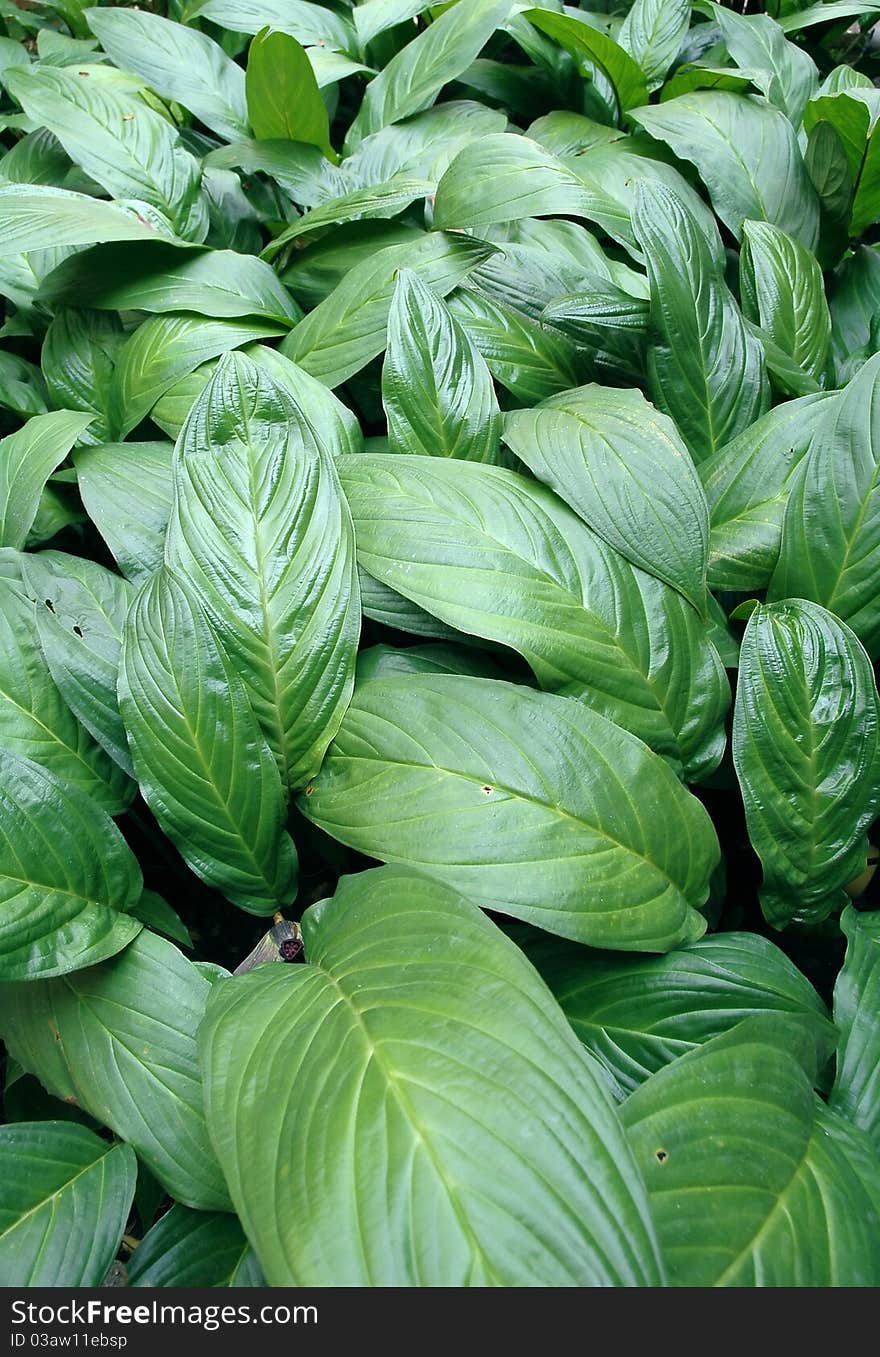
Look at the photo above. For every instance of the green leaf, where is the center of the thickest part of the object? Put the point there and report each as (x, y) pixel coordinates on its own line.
(530, 361)
(622, 466)
(179, 63)
(415, 76)
(38, 217)
(747, 484)
(444, 532)
(856, 1091)
(465, 1182)
(160, 277)
(119, 141)
(127, 491)
(549, 826)
(828, 11)
(372, 17)
(854, 299)
(67, 876)
(835, 501)
(375, 200)
(27, 460)
(752, 1181)
(349, 328)
(119, 1040)
(283, 98)
(383, 661)
(524, 181)
(597, 50)
(35, 721)
(263, 536)
(157, 914)
(786, 73)
(806, 746)
(78, 357)
(705, 369)
(312, 25)
(436, 389)
(195, 1248)
(166, 348)
(202, 762)
(652, 33)
(80, 610)
(747, 156)
(783, 292)
(65, 1196)
(609, 326)
(638, 1014)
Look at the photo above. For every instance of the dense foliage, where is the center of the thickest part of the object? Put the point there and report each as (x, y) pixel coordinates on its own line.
(439, 504)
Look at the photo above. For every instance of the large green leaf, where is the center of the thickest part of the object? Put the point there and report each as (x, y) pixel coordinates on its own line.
(600, 53)
(785, 73)
(436, 389)
(166, 348)
(119, 1040)
(80, 611)
(465, 1181)
(622, 466)
(311, 24)
(747, 484)
(753, 1182)
(349, 327)
(498, 556)
(638, 1014)
(67, 876)
(531, 361)
(118, 140)
(195, 1248)
(283, 98)
(333, 425)
(179, 63)
(806, 746)
(525, 802)
(414, 77)
(747, 155)
(705, 369)
(27, 460)
(856, 1091)
(127, 491)
(39, 217)
(202, 762)
(35, 720)
(78, 357)
(374, 201)
(835, 502)
(853, 114)
(262, 534)
(161, 277)
(652, 33)
(65, 1196)
(783, 292)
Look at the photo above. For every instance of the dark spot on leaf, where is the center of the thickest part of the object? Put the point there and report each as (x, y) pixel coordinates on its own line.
(77, 631)
(487, 790)
(661, 1156)
(71, 1101)
(50, 605)
(309, 791)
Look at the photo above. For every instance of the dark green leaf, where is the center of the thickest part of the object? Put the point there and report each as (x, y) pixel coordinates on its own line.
(622, 466)
(806, 746)
(856, 1091)
(283, 98)
(195, 1248)
(436, 389)
(27, 460)
(119, 1040)
(65, 1195)
(67, 876)
(705, 370)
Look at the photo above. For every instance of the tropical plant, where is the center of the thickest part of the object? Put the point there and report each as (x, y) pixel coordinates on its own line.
(439, 525)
